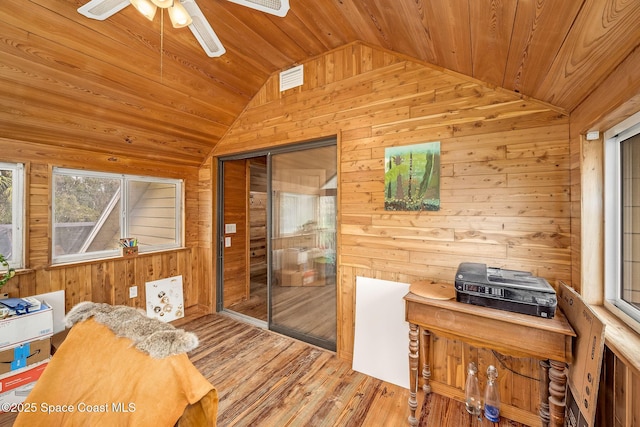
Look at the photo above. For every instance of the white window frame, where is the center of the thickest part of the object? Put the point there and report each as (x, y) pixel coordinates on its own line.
(613, 225)
(124, 219)
(288, 217)
(18, 209)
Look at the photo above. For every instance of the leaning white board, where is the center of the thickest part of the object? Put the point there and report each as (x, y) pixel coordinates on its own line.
(55, 300)
(381, 343)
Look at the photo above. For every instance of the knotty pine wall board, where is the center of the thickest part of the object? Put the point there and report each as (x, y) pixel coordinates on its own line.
(505, 168)
(505, 182)
(108, 280)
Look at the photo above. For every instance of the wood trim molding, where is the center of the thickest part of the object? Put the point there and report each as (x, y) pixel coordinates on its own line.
(621, 339)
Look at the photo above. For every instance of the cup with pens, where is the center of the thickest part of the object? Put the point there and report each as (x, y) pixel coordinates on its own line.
(129, 246)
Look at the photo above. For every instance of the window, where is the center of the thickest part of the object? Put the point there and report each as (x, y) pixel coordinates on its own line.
(92, 211)
(12, 213)
(297, 211)
(622, 219)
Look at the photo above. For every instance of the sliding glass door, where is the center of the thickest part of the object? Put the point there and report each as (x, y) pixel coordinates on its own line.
(277, 256)
(303, 244)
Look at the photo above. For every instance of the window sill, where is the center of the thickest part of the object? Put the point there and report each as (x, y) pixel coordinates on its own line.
(621, 339)
(21, 271)
(114, 258)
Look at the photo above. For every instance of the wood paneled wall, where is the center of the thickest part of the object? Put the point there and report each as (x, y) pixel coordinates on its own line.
(505, 174)
(504, 167)
(235, 212)
(618, 394)
(258, 219)
(108, 280)
(517, 191)
(609, 104)
(258, 234)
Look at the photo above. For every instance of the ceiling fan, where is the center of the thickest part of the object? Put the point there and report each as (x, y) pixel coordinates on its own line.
(183, 13)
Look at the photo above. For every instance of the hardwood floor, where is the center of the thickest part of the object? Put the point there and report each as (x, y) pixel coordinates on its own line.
(256, 305)
(308, 309)
(268, 380)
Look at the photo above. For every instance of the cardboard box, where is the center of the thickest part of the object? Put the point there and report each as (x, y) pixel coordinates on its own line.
(23, 377)
(14, 389)
(57, 339)
(24, 355)
(289, 277)
(314, 280)
(324, 266)
(15, 397)
(295, 259)
(308, 278)
(24, 328)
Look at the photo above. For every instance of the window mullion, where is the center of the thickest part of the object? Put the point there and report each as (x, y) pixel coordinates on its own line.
(17, 197)
(124, 223)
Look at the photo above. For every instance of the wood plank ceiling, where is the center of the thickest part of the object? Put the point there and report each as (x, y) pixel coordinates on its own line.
(127, 86)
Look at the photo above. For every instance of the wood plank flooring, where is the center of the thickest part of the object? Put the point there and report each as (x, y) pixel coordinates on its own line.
(268, 380)
(256, 305)
(307, 309)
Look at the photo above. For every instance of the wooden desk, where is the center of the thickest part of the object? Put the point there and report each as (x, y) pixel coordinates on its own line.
(512, 334)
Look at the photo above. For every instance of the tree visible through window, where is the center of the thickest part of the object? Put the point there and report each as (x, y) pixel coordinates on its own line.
(87, 214)
(11, 212)
(93, 211)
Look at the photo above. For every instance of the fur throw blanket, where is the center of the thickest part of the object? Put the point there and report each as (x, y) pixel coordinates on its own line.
(151, 336)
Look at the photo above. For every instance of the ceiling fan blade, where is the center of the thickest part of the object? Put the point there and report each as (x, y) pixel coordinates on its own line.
(203, 32)
(102, 9)
(274, 7)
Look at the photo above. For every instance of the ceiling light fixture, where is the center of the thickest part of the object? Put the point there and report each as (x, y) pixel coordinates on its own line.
(183, 13)
(162, 4)
(179, 16)
(146, 8)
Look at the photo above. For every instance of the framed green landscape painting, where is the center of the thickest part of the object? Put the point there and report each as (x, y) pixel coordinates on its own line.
(412, 177)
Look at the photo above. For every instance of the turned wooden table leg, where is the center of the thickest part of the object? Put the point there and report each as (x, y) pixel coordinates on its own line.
(413, 373)
(426, 369)
(557, 393)
(544, 393)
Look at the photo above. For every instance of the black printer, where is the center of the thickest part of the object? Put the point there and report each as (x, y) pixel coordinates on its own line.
(510, 290)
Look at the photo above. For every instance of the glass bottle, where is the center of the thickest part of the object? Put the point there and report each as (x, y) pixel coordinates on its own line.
(492, 396)
(473, 401)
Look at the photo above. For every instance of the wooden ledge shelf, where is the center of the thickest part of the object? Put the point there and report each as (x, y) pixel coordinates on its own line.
(623, 341)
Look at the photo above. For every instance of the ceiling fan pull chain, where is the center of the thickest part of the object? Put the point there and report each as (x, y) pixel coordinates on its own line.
(161, 44)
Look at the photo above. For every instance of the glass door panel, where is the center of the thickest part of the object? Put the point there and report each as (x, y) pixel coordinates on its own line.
(303, 245)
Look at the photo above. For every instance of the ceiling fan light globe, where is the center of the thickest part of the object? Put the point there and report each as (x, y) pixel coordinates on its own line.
(146, 8)
(179, 16)
(163, 4)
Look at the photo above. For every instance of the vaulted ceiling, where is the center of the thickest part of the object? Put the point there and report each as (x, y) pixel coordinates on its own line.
(130, 86)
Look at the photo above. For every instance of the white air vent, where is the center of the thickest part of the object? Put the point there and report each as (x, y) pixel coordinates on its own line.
(102, 9)
(203, 32)
(293, 77)
(274, 7)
